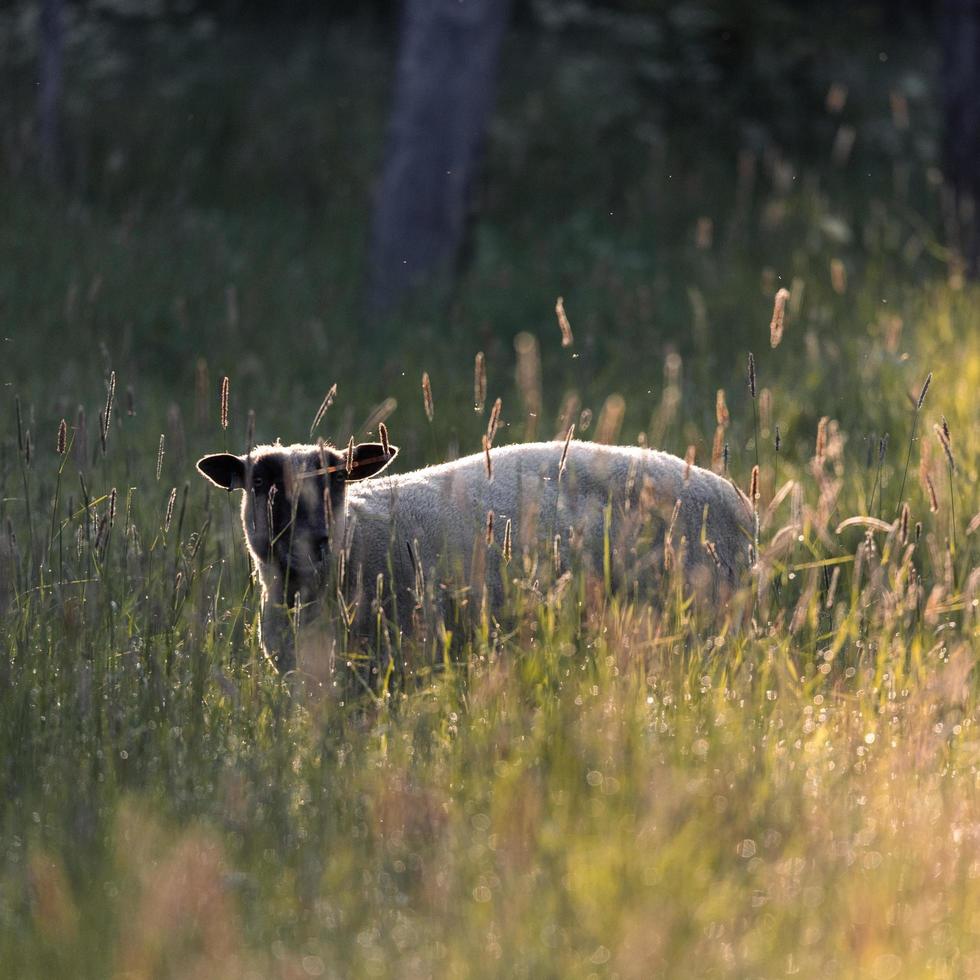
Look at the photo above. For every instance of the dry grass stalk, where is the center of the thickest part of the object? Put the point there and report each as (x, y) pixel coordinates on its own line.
(903, 524)
(709, 546)
(556, 555)
(722, 417)
(113, 496)
(324, 405)
(486, 457)
(933, 499)
(160, 451)
(564, 452)
(494, 421)
(566, 330)
(942, 434)
(922, 394)
(751, 374)
(832, 589)
(754, 487)
(821, 446)
(349, 457)
(427, 396)
(383, 436)
(610, 420)
(62, 437)
(380, 413)
(569, 412)
(507, 549)
(168, 516)
(778, 317)
(225, 390)
(489, 534)
(717, 448)
(479, 382)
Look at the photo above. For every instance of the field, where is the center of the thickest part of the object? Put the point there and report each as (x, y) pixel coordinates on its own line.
(603, 789)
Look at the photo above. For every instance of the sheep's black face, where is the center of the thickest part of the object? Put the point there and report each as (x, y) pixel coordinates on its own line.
(286, 514)
(294, 499)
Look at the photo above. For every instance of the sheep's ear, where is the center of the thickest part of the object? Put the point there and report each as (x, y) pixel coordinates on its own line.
(370, 459)
(223, 470)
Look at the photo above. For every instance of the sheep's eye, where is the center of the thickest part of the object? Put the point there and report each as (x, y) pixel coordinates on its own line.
(258, 483)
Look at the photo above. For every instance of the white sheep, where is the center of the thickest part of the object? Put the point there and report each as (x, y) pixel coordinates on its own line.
(317, 531)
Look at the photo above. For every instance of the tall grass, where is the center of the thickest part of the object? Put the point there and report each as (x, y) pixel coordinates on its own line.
(598, 785)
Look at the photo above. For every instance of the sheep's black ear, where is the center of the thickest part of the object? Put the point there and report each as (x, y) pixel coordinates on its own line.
(370, 459)
(223, 470)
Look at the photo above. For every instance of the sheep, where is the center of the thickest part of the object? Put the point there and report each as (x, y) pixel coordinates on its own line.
(318, 529)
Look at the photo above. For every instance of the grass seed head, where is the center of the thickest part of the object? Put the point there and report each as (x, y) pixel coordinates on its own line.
(225, 388)
(383, 435)
(922, 394)
(564, 452)
(427, 396)
(722, 417)
(62, 437)
(494, 421)
(486, 456)
(479, 382)
(324, 405)
(566, 330)
(169, 513)
(942, 434)
(751, 373)
(778, 317)
(107, 414)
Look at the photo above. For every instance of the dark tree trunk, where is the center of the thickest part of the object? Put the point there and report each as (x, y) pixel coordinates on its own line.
(49, 88)
(960, 35)
(449, 51)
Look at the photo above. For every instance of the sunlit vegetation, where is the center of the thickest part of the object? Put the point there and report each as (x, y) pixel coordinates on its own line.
(591, 786)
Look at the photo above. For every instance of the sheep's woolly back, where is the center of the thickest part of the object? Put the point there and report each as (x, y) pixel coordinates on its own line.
(604, 491)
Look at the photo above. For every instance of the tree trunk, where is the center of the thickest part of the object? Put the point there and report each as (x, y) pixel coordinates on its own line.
(960, 35)
(49, 88)
(449, 51)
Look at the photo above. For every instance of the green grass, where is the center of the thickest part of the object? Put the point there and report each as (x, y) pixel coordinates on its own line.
(605, 789)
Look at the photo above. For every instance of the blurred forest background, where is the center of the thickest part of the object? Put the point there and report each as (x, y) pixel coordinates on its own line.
(257, 187)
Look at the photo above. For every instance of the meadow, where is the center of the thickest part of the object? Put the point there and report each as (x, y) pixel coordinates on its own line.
(594, 787)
